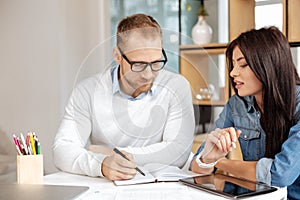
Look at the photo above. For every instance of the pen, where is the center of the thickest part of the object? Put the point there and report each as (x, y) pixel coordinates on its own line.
(38, 148)
(17, 144)
(35, 139)
(121, 154)
(30, 149)
(18, 150)
(32, 144)
(24, 143)
(27, 139)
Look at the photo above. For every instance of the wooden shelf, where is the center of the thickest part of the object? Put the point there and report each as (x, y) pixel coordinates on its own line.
(203, 47)
(199, 64)
(195, 60)
(241, 17)
(292, 20)
(208, 102)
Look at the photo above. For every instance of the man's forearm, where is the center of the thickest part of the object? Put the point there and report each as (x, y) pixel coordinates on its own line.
(100, 149)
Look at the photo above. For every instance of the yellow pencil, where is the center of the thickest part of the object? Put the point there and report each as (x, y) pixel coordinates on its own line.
(32, 144)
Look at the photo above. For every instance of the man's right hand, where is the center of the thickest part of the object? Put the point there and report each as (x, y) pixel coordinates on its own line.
(115, 167)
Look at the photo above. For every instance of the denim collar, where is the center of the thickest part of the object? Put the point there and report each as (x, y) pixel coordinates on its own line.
(249, 103)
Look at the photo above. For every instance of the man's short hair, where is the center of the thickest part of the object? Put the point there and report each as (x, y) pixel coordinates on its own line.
(142, 23)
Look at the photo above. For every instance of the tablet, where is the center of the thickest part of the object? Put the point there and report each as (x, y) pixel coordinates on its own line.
(227, 186)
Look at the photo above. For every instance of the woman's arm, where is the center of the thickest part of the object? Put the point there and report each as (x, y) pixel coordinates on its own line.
(238, 168)
(285, 168)
(197, 169)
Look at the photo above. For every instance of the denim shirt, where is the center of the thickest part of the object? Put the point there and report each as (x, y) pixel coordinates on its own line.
(284, 169)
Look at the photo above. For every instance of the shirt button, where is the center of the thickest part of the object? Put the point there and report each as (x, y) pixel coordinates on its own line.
(245, 136)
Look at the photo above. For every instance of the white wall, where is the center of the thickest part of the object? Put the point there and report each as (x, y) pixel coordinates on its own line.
(42, 46)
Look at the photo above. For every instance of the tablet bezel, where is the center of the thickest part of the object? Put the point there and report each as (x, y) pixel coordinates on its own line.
(40, 191)
(190, 182)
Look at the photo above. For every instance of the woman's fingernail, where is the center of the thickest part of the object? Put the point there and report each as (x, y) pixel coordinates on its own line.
(233, 144)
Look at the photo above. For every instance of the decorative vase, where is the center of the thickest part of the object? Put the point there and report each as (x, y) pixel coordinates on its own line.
(201, 32)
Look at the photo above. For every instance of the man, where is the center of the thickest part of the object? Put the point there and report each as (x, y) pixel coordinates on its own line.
(136, 106)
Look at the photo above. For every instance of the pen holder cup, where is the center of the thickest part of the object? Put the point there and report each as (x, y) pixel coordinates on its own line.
(30, 169)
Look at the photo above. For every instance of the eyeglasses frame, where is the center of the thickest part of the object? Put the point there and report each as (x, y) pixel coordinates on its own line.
(143, 62)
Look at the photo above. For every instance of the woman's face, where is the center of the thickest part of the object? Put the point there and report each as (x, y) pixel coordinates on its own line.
(245, 80)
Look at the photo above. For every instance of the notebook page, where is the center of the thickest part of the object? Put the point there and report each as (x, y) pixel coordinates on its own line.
(139, 178)
(166, 172)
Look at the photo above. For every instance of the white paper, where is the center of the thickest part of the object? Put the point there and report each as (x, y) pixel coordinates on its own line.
(156, 172)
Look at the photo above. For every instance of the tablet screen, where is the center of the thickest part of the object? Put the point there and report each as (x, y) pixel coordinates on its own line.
(227, 186)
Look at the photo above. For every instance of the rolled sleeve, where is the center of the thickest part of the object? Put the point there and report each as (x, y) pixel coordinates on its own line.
(263, 170)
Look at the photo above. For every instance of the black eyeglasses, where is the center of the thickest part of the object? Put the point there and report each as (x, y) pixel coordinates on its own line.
(139, 66)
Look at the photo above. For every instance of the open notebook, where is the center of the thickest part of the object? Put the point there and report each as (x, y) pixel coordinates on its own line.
(155, 172)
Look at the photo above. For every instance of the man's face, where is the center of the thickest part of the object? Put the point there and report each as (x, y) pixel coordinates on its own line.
(139, 49)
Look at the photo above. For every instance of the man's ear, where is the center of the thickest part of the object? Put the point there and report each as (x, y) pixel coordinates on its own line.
(117, 55)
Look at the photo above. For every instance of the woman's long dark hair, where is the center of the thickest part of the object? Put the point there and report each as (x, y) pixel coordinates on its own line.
(268, 54)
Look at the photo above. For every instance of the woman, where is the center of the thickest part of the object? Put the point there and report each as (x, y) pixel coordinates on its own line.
(263, 114)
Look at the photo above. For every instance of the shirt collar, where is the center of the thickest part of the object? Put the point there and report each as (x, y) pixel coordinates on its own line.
(249, 101)
(116, 86)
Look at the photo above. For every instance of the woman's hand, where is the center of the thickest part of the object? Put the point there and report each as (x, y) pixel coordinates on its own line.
(218, 143)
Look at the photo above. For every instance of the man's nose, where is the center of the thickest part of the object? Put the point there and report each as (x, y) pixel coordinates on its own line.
(147, 73)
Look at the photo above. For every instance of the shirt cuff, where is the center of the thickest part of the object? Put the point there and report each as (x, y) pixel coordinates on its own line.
(263, 170)
(97, 164)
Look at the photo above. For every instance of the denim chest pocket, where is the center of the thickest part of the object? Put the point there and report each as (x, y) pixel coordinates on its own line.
(250, 141)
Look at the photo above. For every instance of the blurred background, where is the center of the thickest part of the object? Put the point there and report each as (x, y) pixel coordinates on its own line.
(47, 46)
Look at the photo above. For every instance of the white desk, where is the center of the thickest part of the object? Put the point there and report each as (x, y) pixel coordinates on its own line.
(101, 188)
